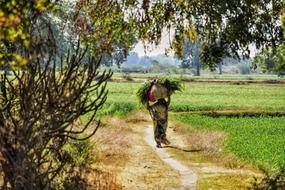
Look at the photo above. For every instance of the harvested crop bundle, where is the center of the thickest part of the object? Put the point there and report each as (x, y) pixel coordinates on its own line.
(157, 89)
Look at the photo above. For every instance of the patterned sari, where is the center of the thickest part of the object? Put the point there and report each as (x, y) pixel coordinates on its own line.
(159, 114)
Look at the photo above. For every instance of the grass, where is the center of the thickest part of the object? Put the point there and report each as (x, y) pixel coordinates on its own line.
(201, 97)
(257, 140)
(121, 99)
(212, 97)
(204, 76)
(229, 182)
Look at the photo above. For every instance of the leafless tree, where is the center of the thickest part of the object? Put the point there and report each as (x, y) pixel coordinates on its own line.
(40, 109)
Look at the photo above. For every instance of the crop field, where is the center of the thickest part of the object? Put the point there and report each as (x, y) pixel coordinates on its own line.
(257, 139)
(202, 97)
(204, 76)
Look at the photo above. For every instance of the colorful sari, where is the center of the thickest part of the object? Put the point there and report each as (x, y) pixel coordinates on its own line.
(159, 114)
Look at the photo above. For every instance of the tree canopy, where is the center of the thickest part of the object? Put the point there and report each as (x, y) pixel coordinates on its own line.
(111, 26)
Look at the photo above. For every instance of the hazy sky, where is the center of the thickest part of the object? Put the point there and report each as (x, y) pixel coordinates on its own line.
(152, 50)
(160, 49)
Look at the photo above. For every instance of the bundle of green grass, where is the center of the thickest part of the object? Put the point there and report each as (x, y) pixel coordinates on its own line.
(159, 88)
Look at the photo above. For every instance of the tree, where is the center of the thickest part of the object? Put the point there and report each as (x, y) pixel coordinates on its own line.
(237, 23)
(272, 61)
(42, 102)
(15, 19)
(191, 55)
(41, 112)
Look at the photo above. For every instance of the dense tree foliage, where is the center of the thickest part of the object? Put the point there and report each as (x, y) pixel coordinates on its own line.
(272, 61)
(15, 20)
(236, 24)
(108, 26)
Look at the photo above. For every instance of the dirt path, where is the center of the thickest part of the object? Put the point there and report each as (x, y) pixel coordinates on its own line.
(130, 159)
(193, 161)
(188, 177)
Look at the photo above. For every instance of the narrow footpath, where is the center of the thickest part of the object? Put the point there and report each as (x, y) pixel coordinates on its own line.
(188, 177)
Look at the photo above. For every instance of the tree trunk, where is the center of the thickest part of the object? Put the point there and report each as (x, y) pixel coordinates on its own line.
(196, 58)
(220, 68)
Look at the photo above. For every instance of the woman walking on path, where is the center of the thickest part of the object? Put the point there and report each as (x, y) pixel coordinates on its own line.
(159, 114)
(155, 95)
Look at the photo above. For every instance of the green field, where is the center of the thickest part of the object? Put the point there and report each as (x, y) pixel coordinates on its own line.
(259, 140)
(204, 76)
(202, 97)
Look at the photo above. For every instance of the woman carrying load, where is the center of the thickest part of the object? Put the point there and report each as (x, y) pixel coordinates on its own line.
(159, 113)
(156, 96)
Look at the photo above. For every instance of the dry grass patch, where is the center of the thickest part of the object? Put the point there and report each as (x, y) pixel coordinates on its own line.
(114, 142)
(204, 145)
(134, 163)
(138, 117)
(210, 141)
(126, 157)
(101, 180)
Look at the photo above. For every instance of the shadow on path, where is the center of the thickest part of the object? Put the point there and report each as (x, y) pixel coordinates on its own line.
(183, 149)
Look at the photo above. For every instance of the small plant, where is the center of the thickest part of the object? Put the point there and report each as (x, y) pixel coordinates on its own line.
(81, 153)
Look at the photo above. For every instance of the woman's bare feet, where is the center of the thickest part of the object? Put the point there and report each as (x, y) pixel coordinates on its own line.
(165, 141)
(158, 145)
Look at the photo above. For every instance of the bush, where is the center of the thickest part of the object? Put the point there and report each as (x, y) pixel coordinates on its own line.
(81, 153)
(244, 69)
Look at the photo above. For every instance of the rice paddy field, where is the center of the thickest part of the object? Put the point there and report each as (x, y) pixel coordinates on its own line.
(202, 97)
(251, 115)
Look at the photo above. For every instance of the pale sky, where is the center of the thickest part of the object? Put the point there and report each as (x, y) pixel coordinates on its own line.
(160, 49)
(152, 50)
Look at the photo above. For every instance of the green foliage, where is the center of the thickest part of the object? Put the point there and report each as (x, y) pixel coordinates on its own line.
(213, 53)
(211, 97)
(121, 99)
(280, 60)
(258, 140)
(272, 60)
(142, 93)
(105, 27)
(15, 18)
(80, 153)
(170, 84)
(118, 108)
(208, 21)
